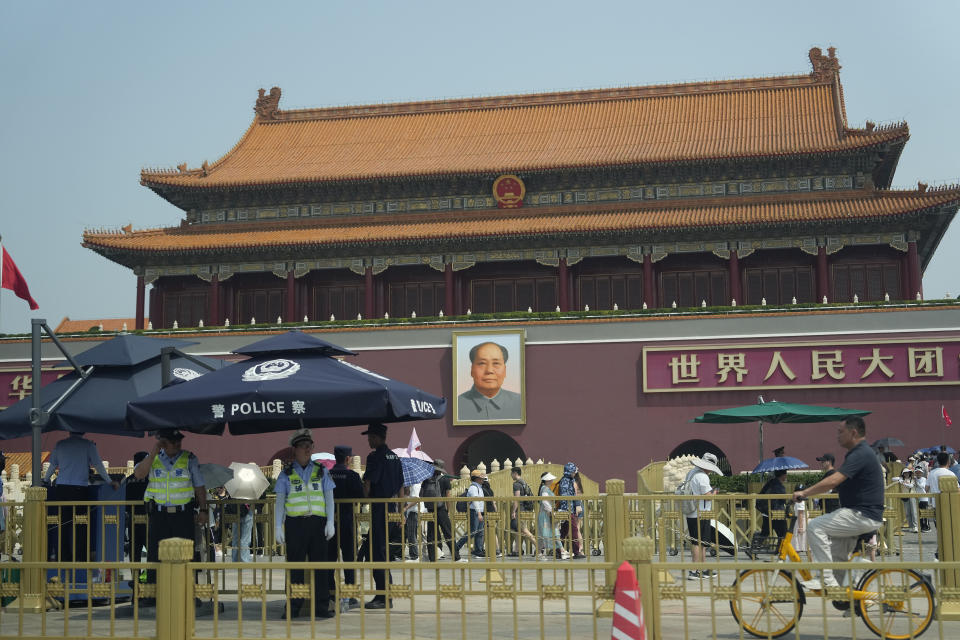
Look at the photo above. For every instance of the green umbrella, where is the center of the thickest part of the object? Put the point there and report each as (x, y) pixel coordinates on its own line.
(777, 412)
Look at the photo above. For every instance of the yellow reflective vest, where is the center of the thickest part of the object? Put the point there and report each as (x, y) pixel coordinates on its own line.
(173, 487)
(306, 499)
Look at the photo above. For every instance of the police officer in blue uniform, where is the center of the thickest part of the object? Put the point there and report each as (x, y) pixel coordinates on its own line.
(304, 519)
(176, 497)
(383, 478)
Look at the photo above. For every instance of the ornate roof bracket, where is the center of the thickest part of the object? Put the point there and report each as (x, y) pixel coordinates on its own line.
(548, 257)
(379, 265)
(205, 272)
(722, 253)
(279, 269)
(436, 263)
(300, 269)
(743, 248)
(574, 256)
(810, 246)
(834, 244)
(636, 253)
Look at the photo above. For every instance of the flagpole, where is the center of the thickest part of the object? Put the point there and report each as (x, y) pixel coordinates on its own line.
(1, 284)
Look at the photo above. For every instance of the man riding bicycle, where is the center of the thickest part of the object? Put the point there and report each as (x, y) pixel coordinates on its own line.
(859, 483)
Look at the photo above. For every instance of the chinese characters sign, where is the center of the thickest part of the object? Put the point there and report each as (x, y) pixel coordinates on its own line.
(801, 365)
(17, 384)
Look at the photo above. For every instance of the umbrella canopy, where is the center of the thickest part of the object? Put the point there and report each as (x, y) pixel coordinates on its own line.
(777, 412)
(935, 450)
(98, 404)
(247, 483)
(325, 458)
(413, 448)
(215, 475)
(415, 470)
(286, 388)
(780, 463)
(886, 443)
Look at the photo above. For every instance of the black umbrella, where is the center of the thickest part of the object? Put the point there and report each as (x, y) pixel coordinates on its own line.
(291, 381)
(886, 443)
(119, 370)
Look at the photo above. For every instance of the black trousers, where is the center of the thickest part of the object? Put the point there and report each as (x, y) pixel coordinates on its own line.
(306, 543)
(446, 533)
(73, 543)
(378, 545)
(346, 543)
(163, 525)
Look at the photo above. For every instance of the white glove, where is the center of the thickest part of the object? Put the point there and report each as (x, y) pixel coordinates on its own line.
(330, 530)
(279, 536)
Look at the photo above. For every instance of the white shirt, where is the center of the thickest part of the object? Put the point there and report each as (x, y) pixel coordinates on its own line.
(415, 493)
(700, 485)
(934, 480)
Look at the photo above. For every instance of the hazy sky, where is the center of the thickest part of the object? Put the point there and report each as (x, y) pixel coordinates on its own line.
(95, 91)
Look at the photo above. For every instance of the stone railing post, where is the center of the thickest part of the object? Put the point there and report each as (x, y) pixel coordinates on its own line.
(948, 542)
(174, 599)
(614, 526)
(34, 549)
(639, 552)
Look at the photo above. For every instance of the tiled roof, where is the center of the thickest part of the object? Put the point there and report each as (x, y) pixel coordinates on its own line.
(780, 116)
(755, 211)
(104, 324)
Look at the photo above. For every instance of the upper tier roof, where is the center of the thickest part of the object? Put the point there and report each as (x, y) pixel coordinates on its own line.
(778, 116)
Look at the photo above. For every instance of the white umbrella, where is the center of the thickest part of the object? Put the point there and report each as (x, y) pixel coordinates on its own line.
(413, 448)
(324, 458)
(248, 482)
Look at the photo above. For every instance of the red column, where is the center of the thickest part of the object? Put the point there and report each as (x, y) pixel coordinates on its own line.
(649, 293)
(214, 318)
(448, 290)
(823, 276)
(735, 290)
(563, 293)
(291, 307)
(913, 267)
(141, 294)
(368, 308)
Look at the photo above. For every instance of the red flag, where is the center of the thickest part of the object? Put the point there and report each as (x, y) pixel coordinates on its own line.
(10, 278)
(627, 608)
(946, 417)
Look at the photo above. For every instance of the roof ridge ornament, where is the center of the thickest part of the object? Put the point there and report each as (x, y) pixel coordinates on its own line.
(825, 67)
(268, 104)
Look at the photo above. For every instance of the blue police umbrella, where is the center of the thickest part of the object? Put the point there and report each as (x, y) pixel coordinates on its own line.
(415, 470)
(118, 370)
(291, 380)
(779, 463)
(935, 450)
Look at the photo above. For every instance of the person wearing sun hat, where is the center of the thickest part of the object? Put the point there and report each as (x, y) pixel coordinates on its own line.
(546, 532)
(701, 531)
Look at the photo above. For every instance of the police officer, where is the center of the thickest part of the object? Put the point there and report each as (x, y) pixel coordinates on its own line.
(176, 497)
(348, 489)
(383, 478)
(304, 499)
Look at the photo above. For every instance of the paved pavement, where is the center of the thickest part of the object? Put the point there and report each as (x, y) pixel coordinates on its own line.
(535, 613)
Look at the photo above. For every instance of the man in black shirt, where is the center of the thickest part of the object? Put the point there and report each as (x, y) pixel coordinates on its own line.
(348, 489)
(383, 478)
(859, 482)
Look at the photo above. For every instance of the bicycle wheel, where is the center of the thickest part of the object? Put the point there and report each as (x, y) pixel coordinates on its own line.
(763, 609)
(898, 603)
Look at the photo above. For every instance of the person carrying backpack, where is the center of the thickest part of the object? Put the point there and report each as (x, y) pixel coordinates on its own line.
(519, 529)
(701, 531)
(476, 508)
(438, 487)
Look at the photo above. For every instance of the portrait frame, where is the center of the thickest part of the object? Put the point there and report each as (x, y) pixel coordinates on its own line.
(465, 410)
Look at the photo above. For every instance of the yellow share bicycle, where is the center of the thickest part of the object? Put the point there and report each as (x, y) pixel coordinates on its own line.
(894, 603)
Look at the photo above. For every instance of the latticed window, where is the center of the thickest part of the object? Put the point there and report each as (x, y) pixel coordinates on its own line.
(264, 305)
(691, 288)
(426, 298)
(868, 281)
(342, 301)
(779, 285)
(602, 291)
(188, 308)
(500, 295)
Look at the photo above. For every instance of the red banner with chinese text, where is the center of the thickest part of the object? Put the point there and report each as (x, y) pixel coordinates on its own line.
(801, 365)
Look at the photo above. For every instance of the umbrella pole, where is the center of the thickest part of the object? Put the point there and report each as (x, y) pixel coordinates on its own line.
(760, 459)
